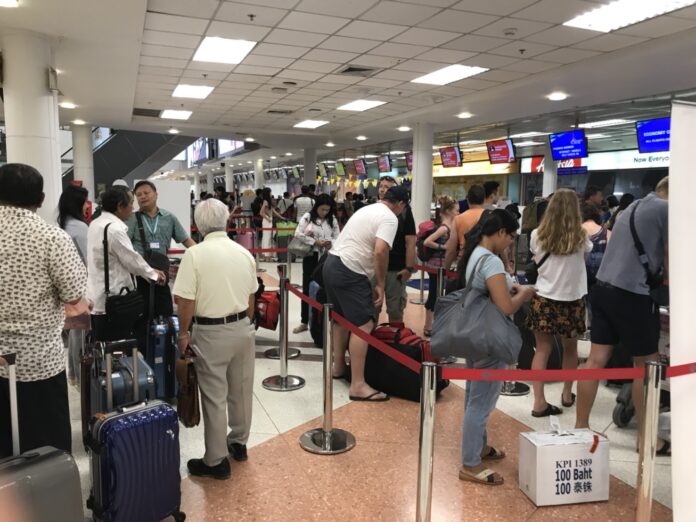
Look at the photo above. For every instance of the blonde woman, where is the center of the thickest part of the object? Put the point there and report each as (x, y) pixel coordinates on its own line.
(558, 309)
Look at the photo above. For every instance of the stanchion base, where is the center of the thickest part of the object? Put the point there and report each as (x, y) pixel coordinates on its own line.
(418, 301)
(514, 389)
(327, 443)
(278, 383)
(274, 353)
(448, 359)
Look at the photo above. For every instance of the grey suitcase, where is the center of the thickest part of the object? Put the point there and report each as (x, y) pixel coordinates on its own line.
(44, 481)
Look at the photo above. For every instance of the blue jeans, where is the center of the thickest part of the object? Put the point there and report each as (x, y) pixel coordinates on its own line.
(481, 397)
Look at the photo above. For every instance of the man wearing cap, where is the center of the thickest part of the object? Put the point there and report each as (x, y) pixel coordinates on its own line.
(360, 254)
(402, 258)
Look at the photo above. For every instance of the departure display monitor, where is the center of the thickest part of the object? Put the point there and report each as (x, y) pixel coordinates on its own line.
(653, 135)
(409, 161)
(501, 151)
(340, 168)
(322, 170)
(568, 145)
(360, 168)
(450, 157)
(384, 163)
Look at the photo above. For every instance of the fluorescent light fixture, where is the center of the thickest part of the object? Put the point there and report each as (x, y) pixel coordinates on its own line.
(471, 142)
(597, 136)
(330, 144)
(66, 104)
(475, 149)
(528, 134)
(367, 156)
(192, 91)
(238, 164)
(622, 13)
(465, 115)
(310, 124)
(528, 143)
(397, 152)
(249, 162)
(404, 128)
(604, 123)
(222, 50)
(449, 74)
(170, 114)
(436, 153)
(79, 122)
(173, 131)
(9, 3)
(360, 105)
(361, 138)
(288, 153)
(273, 157)
(557, 96)
(249, 139)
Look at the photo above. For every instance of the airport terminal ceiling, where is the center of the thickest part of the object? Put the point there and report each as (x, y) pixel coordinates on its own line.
(117, 58)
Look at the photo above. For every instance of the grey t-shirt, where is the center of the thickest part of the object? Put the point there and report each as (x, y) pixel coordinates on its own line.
(489, 267)
(620, 264)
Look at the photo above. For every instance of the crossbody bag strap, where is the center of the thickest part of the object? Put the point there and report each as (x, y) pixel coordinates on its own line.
(139, 218)
(543, 260)
(474, 271)
(642, 256)
(105, 242)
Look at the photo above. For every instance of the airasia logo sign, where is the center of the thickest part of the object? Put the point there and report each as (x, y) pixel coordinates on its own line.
(538, 164)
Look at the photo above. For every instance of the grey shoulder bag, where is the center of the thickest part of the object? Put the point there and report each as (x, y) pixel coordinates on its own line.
(468, 324)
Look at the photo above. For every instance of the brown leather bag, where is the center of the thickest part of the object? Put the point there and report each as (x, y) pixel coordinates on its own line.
(188, 404)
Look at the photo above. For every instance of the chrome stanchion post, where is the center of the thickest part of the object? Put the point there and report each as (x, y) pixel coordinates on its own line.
(420, 300)
(327, 440)
(648, 440)
(9, 360)
(283, 382)
(441, 274)
(426, 441)
(275, 353)
(257, 255)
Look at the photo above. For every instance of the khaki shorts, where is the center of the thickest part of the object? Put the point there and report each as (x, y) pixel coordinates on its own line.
(394, 296)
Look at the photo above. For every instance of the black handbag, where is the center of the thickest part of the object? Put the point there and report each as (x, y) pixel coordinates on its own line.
(531, 271)
(124, 308)
(655, 281)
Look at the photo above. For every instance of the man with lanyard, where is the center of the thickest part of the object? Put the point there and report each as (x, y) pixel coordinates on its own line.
(151, 230)
(402, 258)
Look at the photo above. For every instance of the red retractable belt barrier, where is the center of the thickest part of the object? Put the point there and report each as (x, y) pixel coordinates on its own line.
(247, 229)
(253, 251)
(311, 302)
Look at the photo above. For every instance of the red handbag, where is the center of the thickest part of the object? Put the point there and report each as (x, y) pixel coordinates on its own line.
(268, 310)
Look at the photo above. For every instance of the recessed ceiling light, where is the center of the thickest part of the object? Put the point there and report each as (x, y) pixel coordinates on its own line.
(449, 74)
(9, 3)
(404, 128)
(531, 134)
(273, 157)
(66, 104)
(170, 114)
(604, 123)
(192, 91)
(288, 153)
(361, 138)
(464, 115)
(222, 50)
(249, 162)
(528, 143)
(310, 124)
(476, 149)
(622, 13)
(360, 105)
(79, 122)
(596, 136)
(471, 142)
(173, 131)
(330, 144)
(239, 164)
(557, 96)
(249, 139)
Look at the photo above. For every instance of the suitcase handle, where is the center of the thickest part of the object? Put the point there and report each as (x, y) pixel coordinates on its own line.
(10, 361)
(109, 382)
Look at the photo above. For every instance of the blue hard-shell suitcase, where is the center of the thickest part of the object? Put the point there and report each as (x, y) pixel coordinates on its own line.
(162, 353)
(134, 463)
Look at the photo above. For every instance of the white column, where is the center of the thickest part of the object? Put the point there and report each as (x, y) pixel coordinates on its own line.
(310, 167)
(550, 181)
(682, 334)
(259, 179)
(210, 183)
(83, 159)
(196, 186)
(31, 112)
(422, 186)
(229, 178)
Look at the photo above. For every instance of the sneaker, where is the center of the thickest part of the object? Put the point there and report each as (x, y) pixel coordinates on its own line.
(301, 328)
(238, 451)
(199, 468)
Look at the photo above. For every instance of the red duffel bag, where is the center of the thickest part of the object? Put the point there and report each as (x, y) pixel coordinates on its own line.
(268, 310)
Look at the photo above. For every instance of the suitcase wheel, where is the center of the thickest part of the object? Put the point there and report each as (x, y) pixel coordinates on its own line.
(622, 414)
(179, 516)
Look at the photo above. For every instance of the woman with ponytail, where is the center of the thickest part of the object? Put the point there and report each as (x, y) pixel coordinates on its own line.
(481, 263)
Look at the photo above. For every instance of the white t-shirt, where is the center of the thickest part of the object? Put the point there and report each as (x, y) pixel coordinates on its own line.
(561, 278)
(356, 244)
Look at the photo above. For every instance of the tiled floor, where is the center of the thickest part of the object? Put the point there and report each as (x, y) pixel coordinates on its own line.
(377, 479)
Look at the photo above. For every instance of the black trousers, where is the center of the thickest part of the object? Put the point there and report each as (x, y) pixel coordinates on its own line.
(44, 415)
(309, 263)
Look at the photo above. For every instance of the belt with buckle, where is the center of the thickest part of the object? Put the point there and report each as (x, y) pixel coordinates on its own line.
(220, 320)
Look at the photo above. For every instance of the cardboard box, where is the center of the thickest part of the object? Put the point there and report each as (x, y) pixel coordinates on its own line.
(564, 468)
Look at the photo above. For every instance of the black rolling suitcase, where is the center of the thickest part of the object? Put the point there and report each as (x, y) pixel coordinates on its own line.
(44, 481)
(134, 461)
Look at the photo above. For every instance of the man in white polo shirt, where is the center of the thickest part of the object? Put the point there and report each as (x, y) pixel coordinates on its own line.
(360, 254)
(215, 290)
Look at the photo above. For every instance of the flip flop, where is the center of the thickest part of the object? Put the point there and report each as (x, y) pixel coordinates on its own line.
(568, 404)
(665, 450)
(486, 477)
(493, 454)
(550, 410)
(369, 397)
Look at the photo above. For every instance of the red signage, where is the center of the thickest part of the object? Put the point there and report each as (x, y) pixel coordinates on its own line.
(360, 167)
(409, 161)
(501, 151)
(384, 163)
(450, 157)
(538, 164)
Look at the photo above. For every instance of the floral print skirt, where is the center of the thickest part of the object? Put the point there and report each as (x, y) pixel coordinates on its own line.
(564, 318)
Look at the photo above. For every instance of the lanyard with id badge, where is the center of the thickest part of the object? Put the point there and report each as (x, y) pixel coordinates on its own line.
(152, 255)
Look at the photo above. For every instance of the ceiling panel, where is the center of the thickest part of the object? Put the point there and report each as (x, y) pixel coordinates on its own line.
(299, 75)
(530, 66)
(657, 27)
(490, 61)
(523, 28)
(398, 50)
(171, 39)
(267, 61)
(324, 55)
(371, 60)
(399, 13)
(475, 43)
(419, 66)
(609, 42)
(458, 21)
(210, 75)
(200, 8)
(301, 38)
(500, 75)
(562, 36)
(371, 30)
(234, 12)
(282, 4)
(347, 9)
(354, 45)
(438, 3)
(210, 66)
(555, 11)
(446, 55)
(163, 62)
(310, 65)
(166, 51)
(237, 31)
(341, 79)
(175, 24)
(419, 36)
(392, 74)
(159, 71)
(531, 49)
(283, 51)
(380, 82)
(312, 23)
(496, 7)
(255, 69)
(567, 55)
